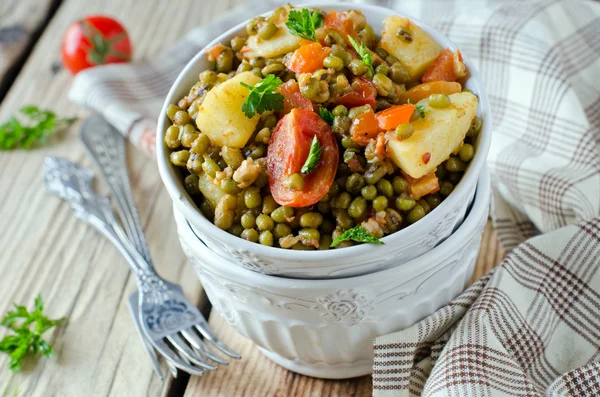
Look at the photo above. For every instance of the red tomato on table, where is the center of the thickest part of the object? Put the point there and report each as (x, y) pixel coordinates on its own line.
(288, 150)
(95, 40)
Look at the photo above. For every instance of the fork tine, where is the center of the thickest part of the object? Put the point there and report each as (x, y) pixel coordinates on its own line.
(176, 360)
(212, 338)
(192, 337)
(189, 353)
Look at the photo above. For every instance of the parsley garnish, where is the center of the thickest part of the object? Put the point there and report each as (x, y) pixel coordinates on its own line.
(26, 338)
(304, 23)
(262, 96)
(34, 126)
(420, 109)
(326, 115)
(313, 156)
(364, 53)
(358, 234)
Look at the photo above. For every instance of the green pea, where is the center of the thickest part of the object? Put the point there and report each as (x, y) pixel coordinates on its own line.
(382, 83)
(327, 227)
(369, 192)
(222, 164)
(433, 200)
(325, 242)
(233, 157)
(188, 135)
(455, 177)
(333, 62)
(466, 153)
(343, 219)
(393, 220)
(446, 188)
(263, 136)
(274, 68)
(380, 203)
(338, 51)
(385, 187)
(404, 131)
(230, 187)
(270, 121)
(311, 220)
(255, 150)
(281, 230)
(264, 222)
(258, 62)
(201, 144)
(308, 235)
(423, 203)
(341, 124)
(340, 110)
(415, 214)
(237, 43)
(341, 84)
(357, 67)
(180, 158)
(172, 137)
(267, 31)
(310, 89)
(225, 219)
(266, 238)
(343, 200)
(257, 72)
(439, 101)
(398, 73)
(295, 181)
(405, 203)
(210, 166)
(194, 164)
(381, 52)
(191, 184)
(269, 205)
(323, 207)
(475, 127)
(357, 207)
(358, 110)
(355, 182)
(333, 38)
(172, 111)
(399, 184)
(454, 164)
(181, 118)
(383, 69)
(236, 230)
(441, 173)
(248, 220)
(282, 214)
(207, 209)
(374, 174)
(250, 235)
(208, 77)
(348, 143)
(224, 61)
(252, 197)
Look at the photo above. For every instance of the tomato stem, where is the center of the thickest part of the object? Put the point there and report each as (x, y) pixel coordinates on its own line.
(102, 47)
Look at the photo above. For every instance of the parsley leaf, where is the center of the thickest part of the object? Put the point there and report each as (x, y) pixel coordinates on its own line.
(313, 156)
(262, 98)
(363, 52)
(420, 108)
(33, 126)
(26, 338)
(358, 234)
(326, 115)
(304, 23)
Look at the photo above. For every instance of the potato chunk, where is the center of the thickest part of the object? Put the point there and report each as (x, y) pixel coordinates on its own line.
(280, 44)
(416, 55)
(435, 137)
(220, 116)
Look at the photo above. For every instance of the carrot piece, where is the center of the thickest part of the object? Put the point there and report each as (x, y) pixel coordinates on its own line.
(421, 91)
(448, 66)
(308, 58)
(419, 187)
(391, 118)
(292, 98)
(214, 52)
(364, 128)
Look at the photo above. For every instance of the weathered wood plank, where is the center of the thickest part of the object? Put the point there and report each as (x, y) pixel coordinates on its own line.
(46, 250)
(256, 375)
(20, 23)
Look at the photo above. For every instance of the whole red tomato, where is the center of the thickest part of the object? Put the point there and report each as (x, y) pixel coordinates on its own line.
(95, 40)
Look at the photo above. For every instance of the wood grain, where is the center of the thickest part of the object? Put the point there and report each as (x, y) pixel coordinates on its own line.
(257, 375)
(46, 250)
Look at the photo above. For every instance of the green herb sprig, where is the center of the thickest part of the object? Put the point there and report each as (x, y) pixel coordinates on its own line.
(420, 108)
(326, 115)
(304, 23)
(358, 234)
(34, 126)
(313, 157)
(262, 97)
(27, 337)
(363, 52)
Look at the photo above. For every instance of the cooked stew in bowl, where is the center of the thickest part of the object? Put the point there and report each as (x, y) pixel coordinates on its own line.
(311, 131)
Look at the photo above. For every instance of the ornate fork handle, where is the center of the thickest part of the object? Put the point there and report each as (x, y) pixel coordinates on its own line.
(107, 147)
(74, 184)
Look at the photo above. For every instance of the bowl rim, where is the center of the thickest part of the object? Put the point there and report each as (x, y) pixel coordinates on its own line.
(231, 270)
(191, 212)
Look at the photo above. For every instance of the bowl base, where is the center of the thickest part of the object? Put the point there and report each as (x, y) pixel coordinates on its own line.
(322, 370)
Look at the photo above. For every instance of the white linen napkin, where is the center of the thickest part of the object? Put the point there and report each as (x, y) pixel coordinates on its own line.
(531, 327)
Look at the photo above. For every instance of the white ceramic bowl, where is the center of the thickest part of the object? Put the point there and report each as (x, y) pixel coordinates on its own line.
(399, 247)
(325, 328)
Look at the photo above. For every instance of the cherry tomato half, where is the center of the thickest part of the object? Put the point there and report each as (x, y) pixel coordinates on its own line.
(288, 150)
(94, 40)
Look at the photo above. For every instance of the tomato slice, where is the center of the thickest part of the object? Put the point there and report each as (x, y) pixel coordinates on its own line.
(292, 98)
(363, 93)
(364, 128)
(444, 68)
(288, 150)
(308, 58)
(340, 22)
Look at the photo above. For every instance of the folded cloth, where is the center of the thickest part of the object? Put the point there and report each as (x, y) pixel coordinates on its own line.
(531, 326)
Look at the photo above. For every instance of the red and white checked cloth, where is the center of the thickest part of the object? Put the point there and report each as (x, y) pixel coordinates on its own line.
(532, 326)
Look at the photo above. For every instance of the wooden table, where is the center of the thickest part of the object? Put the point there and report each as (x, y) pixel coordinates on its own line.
(80, 275)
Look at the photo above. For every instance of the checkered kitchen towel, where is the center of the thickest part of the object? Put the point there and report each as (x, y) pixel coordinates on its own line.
(532, 326)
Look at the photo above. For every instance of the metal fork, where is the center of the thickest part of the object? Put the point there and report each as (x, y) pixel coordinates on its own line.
(170, 321)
